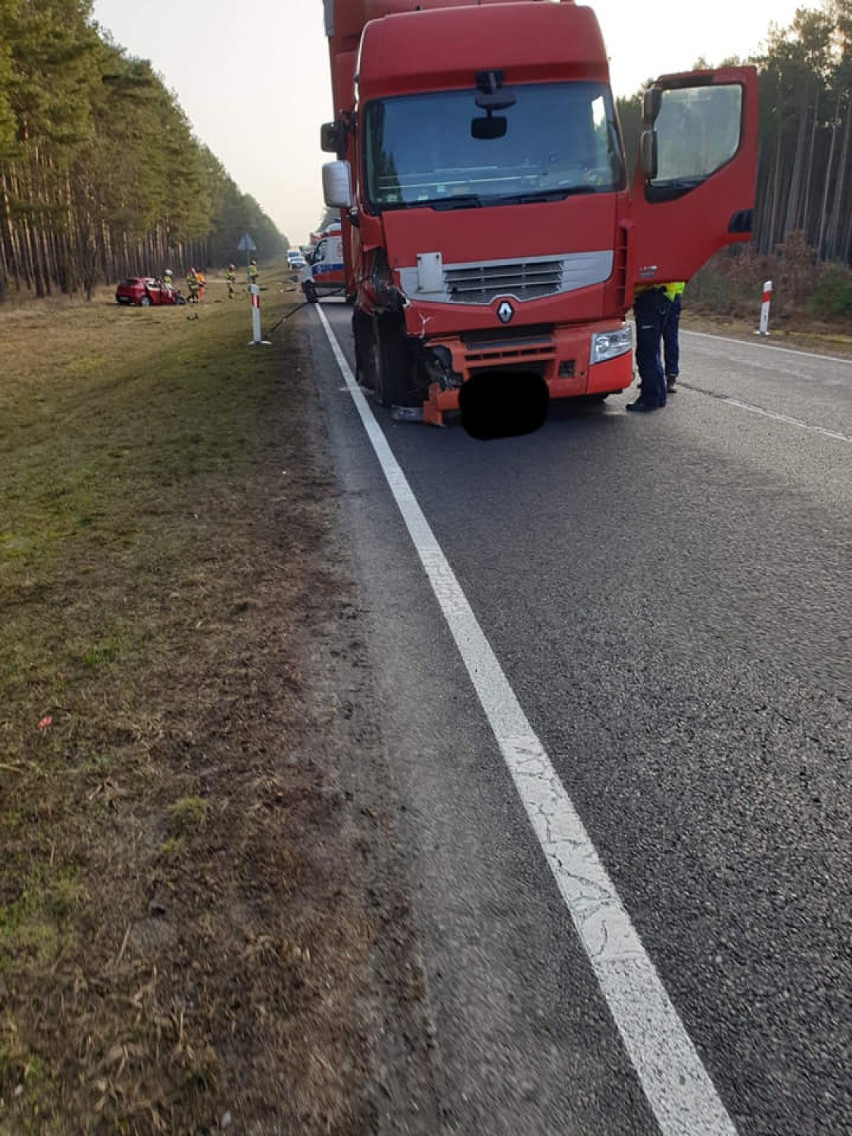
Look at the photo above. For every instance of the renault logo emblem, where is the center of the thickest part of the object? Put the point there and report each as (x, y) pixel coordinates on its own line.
(505, 311)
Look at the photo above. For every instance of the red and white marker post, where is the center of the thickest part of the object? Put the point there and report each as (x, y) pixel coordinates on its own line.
(764, 309)
(256, 340)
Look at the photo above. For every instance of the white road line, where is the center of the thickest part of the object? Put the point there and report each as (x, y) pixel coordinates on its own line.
(835, 434)
(738, 402)
(781, 417)
(677, 1085)
(764, 346)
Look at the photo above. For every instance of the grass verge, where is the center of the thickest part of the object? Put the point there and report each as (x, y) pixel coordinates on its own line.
(178, 944)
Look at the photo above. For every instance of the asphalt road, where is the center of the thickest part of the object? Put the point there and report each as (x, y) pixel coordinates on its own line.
(668, 597)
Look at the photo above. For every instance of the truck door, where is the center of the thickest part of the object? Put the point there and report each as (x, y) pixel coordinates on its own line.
(693, 190)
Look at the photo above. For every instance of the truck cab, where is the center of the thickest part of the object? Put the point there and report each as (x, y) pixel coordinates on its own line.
(492, 223)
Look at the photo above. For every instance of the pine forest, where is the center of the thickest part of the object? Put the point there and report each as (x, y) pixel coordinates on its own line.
(100, 173)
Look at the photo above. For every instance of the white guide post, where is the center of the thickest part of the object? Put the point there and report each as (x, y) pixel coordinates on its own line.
(764, 308)
(256, 341)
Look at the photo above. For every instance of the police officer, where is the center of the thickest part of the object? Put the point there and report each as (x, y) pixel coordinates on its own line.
(652, 306)
(671, 340)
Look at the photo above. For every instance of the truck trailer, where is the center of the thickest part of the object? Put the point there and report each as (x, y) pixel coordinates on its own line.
(490, 226)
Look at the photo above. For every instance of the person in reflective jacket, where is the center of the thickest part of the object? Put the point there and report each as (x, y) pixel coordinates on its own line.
(652, 306)
(671, 338)
(231, 281)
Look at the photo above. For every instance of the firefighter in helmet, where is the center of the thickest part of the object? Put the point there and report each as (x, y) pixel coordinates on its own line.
(231, 281)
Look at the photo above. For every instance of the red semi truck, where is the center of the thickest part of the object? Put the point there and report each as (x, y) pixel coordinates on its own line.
(489, 221)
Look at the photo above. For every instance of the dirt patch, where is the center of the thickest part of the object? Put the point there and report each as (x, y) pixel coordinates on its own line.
(202, 922)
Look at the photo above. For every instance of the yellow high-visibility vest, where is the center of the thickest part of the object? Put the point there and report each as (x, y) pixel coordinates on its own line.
(672, 288)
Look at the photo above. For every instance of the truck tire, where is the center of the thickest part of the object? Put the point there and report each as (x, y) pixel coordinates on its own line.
(362, 334)
(392, 365)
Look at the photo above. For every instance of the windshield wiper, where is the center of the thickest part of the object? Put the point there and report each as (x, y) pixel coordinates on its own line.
(548, 194)
(476, 201)
(461, 201)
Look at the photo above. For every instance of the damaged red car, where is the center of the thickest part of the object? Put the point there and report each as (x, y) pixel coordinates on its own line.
(145, 291)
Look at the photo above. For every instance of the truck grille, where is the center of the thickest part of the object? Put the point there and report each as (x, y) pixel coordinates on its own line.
(432, 280)
(482, 283)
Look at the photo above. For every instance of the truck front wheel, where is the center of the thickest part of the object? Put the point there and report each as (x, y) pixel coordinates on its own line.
(392, 365)
(362, 333)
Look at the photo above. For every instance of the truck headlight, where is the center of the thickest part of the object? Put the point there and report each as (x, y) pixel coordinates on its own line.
(610, 344)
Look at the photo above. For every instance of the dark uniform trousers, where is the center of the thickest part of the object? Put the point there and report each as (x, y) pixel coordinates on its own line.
(671, 340)
(651, 310)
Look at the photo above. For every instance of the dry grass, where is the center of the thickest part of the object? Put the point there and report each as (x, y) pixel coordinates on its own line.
(178, 940)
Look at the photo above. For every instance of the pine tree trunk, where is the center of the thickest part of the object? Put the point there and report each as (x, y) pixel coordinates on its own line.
(823, 215)
(834, 239)
(792, 221)
(775, 205)
(809, 178)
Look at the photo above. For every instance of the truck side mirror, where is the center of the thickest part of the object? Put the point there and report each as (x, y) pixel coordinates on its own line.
(337, 185)
(648, 154)
(333, 137)
(652, 100)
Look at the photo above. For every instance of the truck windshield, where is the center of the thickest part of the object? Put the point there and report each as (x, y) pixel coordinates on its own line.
(560, 139)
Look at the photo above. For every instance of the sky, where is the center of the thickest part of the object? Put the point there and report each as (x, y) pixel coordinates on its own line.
(252, 77)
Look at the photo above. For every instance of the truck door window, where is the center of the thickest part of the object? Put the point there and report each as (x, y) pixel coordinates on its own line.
(698, 130)
(561, 139)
